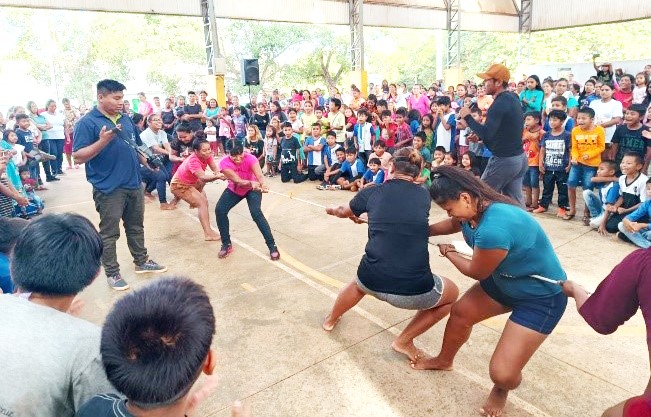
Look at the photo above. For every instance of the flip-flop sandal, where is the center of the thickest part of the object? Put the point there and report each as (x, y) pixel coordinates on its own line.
(568, 216)
(586, 221)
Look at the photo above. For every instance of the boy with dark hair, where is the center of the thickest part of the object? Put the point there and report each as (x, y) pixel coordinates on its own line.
(289, 154)
(11, 229)
(313, 148)
(554, 163)
(388, 130)
(333, 172)
(560, 103)
(380, 152)
(329, 154)
(364, 135)
(374, 175)
(55, 257)
(607, 195)
(352, 169)
(192, 112)
(446, 126)
(155, 344)
(588, 143)
(632, 191)
(632, 136)
(403, 131)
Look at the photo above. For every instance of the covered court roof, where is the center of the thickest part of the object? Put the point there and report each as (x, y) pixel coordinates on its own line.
(476, 15)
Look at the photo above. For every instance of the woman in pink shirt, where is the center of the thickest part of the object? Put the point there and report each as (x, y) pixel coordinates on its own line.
(418, 100)
(189, 179)
(245, 181)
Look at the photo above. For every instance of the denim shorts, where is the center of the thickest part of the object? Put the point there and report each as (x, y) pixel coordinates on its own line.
(581, 175)
(409, 302)
(531, 178)
(538, 314)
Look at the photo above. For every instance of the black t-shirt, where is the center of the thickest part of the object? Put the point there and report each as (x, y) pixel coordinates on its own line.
(502, 131)
(396, 259)
(167, 116)
(288, 149)
(262, 121)
(256, 148)
(104, 405)
(181, 147)
(195, 124)
(630, 141)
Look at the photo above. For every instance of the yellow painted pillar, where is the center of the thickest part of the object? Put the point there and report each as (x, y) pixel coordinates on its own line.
(360, 79)
(217, 87)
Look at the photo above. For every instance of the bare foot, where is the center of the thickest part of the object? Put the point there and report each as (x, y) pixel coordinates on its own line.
(494, 406)
(212, 238)
(412, 352)
(432, 364)
(149, 196)
(328, 325)
(166, 206)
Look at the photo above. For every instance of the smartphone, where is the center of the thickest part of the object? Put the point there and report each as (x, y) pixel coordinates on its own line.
(115, 130)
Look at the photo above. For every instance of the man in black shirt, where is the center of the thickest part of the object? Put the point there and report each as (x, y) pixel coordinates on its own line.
(192, 112)
(501, 134)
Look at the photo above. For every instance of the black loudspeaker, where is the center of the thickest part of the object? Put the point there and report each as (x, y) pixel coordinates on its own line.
(250, 72)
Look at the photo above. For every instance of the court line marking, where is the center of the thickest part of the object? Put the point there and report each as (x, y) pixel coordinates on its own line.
(479, 380)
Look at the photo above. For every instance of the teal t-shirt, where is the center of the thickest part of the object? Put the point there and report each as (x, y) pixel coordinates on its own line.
(534, 100)
(508, 227)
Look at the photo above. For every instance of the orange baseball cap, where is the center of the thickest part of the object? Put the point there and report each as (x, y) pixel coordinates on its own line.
(497, 72)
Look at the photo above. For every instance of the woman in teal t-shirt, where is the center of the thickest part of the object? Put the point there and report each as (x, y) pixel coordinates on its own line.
(509, 246)
(532, 96)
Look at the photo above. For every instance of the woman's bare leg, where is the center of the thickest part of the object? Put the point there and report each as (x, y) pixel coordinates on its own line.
(199, 200)
(474, 306)
(348, 298)
(424, 320)
(514, 349)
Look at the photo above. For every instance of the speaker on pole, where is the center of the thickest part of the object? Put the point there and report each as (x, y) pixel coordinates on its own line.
(250, 72)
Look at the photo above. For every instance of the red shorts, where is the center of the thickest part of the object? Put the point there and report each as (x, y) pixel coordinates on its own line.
(637, 407)
(67, 146)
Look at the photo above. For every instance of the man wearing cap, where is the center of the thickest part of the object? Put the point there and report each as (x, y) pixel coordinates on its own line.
(501, 134)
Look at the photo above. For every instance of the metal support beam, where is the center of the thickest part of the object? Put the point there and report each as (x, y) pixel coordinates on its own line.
(524, 40)
(453, 28)
(356, 34)
(214, 59)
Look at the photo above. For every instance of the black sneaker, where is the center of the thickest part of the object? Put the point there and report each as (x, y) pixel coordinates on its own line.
(117, 283)
(50, 179)
(225, 251)
(274, 254)
(150, 266)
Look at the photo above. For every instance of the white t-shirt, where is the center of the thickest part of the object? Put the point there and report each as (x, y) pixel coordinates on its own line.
(150, 138)
(639, 93)
(443, 136)
(211, 133)
(637, 187)
(18, 158)
(604, 111)
(51, 363)
(56, 120)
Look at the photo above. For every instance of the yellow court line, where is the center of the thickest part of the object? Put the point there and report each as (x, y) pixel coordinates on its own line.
(296, 264)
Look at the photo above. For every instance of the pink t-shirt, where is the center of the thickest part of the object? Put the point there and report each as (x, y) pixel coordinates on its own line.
(185, 173)
(421, 104)
(243, 170)
(145, 108)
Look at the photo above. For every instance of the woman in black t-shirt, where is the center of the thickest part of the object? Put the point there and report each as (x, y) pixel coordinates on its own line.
(395, 266)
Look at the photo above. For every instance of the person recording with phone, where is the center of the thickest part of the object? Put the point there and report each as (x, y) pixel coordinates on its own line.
(107, 141)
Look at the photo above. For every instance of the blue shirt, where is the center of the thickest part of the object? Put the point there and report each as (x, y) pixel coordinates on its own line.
(25, 138)
(350, 171)
(569, 125)
(315, 157)
(642, 212)
(117, 165)
(503, 226)
(377, 178)
(6, 284)
(557, 150)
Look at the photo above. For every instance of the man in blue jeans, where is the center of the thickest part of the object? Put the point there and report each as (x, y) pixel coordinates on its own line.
(102, 140)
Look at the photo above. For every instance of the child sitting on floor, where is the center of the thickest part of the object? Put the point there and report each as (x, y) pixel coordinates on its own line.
(439, 156)
(351, 170)
(29, 187)
(632, 193)
(635, 226)
(607, 195)
(333, 172)
(374, 175)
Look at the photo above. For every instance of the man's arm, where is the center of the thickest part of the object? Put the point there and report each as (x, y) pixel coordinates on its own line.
(493, 121)
(89, 152)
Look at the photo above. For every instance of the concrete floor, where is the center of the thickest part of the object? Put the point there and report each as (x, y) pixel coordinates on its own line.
(274, 356)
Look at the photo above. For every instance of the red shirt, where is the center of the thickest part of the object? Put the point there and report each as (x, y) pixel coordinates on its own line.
(625, 98)
(192, 164)
(391, 129)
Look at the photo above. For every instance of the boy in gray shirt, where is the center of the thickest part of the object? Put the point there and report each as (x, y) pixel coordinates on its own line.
(51, 362)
